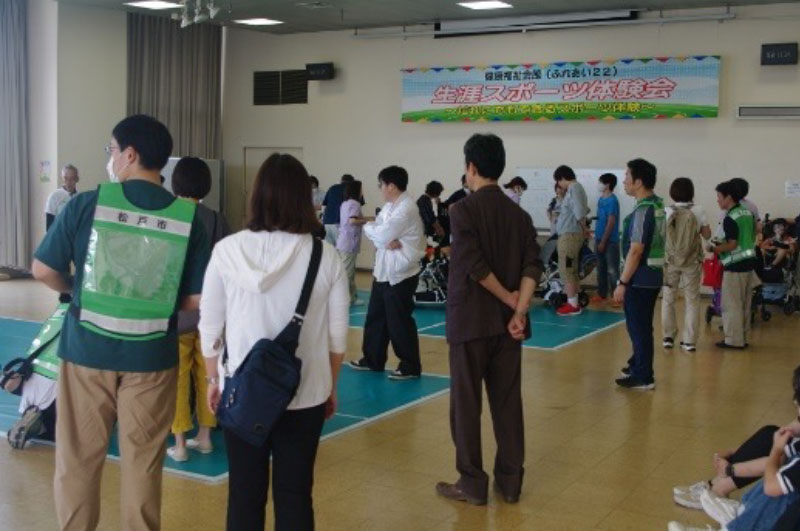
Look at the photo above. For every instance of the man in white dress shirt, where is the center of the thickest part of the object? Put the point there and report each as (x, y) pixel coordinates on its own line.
(59, 199)
(399, 239)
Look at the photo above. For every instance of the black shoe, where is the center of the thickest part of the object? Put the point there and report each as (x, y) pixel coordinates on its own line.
(634, 383)
(30, 425)
(360, 365)
(668, 342)
(625, 372)
(508, 498)
(722, 344)
(452, 491)
(397, 374)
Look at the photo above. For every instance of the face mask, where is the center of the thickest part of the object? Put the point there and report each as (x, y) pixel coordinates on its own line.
(601, 188)
(113, 177)
(778, 233)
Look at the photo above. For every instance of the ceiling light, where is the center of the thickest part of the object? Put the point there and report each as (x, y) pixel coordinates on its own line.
(485, 5)
(258, 22)
(199, 16)
(154, 4)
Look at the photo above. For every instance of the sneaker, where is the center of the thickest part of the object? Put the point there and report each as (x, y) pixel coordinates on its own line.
(203, 448)
(723, 510)
(634, 383)
(625, 372)
(722, 344)
(397, 374)
(452, 491)
(566, 310)
(688, 347)
(179, 455)
(677, 526)
(359, 365)
(689, 497)
(668, 342)
(28, 426)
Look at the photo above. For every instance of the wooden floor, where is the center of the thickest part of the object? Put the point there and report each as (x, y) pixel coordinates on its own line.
(597, 457)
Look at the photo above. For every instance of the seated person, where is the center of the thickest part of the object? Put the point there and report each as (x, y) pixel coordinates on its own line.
(778, 246)
(773, 453)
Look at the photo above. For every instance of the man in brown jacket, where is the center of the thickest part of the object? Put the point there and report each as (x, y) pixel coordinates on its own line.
(494, 268)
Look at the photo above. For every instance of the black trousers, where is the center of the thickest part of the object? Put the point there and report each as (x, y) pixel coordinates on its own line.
(292, 445)
(758, 445)
(639, 306)
(497, 362)
(390, 318)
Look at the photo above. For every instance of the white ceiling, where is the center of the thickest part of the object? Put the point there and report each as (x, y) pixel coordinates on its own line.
(302, 16)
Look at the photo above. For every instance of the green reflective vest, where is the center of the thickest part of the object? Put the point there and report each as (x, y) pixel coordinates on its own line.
(47, 362)
(746, 243)
(134, 266)
(655, 256)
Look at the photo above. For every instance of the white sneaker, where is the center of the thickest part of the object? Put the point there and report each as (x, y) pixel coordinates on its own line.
(179, 455)
(723, 510)
(677, 526)
(203, 448)
(689, 497)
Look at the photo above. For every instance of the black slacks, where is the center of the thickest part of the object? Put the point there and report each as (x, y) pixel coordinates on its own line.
(292, 445)
(497, 362)
(390, 319)
(758, 445)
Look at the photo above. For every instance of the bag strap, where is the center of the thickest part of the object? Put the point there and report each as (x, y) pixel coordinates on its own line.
(25, 364)
(308, 284)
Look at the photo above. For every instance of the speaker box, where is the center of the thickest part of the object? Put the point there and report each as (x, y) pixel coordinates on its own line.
(319, 71)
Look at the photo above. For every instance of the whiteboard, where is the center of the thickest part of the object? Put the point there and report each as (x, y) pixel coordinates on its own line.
(215, 199)
(540, 182)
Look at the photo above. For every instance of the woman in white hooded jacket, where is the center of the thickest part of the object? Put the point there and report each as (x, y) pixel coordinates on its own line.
(251, 288)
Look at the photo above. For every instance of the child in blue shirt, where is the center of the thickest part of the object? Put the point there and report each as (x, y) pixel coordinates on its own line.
(606, 237)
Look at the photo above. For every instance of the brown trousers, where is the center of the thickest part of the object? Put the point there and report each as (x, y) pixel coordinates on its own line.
(496, 361)
(89, 402)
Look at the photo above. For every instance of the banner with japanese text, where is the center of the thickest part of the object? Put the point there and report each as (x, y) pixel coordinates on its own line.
(624, 89)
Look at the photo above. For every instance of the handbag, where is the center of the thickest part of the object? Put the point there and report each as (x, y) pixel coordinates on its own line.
(262, 387)
(712, 272)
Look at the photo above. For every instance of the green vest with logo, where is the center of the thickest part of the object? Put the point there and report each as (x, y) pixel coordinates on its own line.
(746, 243)
(47, 363)
(655, 256)
(134, 266)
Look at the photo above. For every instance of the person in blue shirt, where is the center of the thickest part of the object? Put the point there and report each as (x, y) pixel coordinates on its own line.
(606, 237)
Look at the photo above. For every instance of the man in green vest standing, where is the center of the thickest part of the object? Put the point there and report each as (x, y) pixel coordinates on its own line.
(738, 256)
(139, 255)
(643, 236)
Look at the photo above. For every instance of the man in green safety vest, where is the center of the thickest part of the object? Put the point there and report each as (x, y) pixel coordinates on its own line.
(140, 255)
(643, 236)
(738, 256)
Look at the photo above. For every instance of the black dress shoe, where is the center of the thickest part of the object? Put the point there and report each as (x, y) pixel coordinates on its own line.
(722, 344)
(452, 491)
(508, 498)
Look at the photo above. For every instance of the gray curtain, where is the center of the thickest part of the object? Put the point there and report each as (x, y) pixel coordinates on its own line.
(175, 75)
(14, 227)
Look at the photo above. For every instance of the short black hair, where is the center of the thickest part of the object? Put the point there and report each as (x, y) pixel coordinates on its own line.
(347, 178)
(609, 179)
(394, 175)
(314, 181)
(516, 181)
(564, 173)
(682, 190)
(191, 178)
(644, 171)
(148, 137)
(728, 189)
(352, 190)
(742, 186)
(463, 179)
(434, 189)
(487, 153)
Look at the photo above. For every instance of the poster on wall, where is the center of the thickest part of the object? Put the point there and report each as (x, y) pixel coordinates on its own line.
(613, 89)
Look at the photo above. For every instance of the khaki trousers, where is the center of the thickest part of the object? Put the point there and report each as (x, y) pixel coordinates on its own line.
(349, 261)
(687, 278)
(569, 257)
(737, 300)
(191, 373)
(89, 401)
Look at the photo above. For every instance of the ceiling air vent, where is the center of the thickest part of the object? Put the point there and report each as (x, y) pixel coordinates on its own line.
(768, 112)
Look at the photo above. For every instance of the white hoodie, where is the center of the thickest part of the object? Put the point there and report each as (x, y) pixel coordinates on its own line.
(250, 292)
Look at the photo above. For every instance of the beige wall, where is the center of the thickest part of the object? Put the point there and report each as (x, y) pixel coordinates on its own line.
(78, 77)
(42, 108)
(352, 123)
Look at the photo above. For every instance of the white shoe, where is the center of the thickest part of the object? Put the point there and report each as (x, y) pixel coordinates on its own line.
(179, 455)
(689, 497)
(357, 302)
(723, 510)
(194, 444)
(677, 526)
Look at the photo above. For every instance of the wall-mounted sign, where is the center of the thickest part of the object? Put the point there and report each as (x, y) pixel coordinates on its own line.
(624, 89)
(779, 54)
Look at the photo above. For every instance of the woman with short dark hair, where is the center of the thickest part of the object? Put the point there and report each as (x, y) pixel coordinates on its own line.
(251, 288)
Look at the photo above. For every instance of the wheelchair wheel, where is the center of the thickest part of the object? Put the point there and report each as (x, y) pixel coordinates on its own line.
(583, 299)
